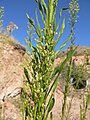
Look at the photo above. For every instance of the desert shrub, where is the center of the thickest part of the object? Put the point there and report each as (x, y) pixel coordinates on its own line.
(79, 76)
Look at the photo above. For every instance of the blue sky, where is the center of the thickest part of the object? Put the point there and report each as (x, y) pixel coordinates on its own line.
(15, 10)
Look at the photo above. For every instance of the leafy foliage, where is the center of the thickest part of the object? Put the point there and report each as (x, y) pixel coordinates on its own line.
(79, 75)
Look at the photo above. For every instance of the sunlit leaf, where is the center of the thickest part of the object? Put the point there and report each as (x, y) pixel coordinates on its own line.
(61, 31)
(39, 27)
(32, 23)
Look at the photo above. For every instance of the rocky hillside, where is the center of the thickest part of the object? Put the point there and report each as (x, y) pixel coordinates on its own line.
(12, 59)
(81, 53)
(11, 76)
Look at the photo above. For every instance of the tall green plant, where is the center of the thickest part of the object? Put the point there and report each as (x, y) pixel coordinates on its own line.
(73, 10)
(41, 78)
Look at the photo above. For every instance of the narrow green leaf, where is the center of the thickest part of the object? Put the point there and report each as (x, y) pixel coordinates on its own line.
(32, 23)
(51, 104)
(54, 11)
(44, 6)
(60, 15)
(26, 74)
(88, 100)
(51, 116)
(62, 46)
(39, 28)
(30, 20)
(54, 25)
(35, 112)
(41, 10)
(50, 10)
(61, 31)
(40, 6)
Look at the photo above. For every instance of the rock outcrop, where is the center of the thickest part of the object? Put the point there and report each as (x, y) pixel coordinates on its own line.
(11, 77)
